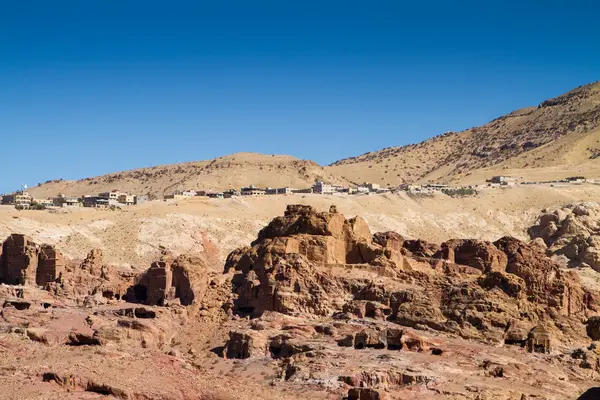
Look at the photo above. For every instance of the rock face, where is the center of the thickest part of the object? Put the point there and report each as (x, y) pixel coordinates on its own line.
(287, 267)
(51, 265)
(19, 260)
(478, 254)
(184, 279)
(572, 231)
(308, 262)
(23, 262)
(93, 262)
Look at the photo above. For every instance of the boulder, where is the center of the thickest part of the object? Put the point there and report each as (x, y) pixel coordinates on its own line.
(245, 344)
(84, 339)
(420, 248)
(370, 338)
(389, 240)
(593, 327)
(364, 394)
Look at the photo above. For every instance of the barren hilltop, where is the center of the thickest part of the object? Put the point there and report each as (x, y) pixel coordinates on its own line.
(220, 174)
(558, 138)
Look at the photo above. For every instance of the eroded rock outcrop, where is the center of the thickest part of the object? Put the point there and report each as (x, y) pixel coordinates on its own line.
(288, 268)
(572, 231)
(183, 279)
(19, 260)
(308, 262)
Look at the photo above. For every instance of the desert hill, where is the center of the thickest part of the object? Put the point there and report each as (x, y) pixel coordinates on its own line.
(559, 137)
(222, 173)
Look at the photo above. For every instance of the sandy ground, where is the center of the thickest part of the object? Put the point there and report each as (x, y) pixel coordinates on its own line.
(131, 237)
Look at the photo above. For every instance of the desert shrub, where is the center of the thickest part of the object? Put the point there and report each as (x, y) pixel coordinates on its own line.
(459, 192)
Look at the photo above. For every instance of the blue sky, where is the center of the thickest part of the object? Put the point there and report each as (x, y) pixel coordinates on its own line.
(91, 87)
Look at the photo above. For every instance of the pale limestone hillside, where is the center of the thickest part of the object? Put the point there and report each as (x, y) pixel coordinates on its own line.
(222, 173)
(559, 137)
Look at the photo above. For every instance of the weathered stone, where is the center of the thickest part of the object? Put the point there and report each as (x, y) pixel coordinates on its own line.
(474, 253)
(84, 339)
(539, 340)
(593, 327)
(185, 279)
(245, 345)
(394, 339)
(389, 240)
(19, 260)
(364, 394)
(93, 262)
(420, 248)
(370, 338)
(51, 265)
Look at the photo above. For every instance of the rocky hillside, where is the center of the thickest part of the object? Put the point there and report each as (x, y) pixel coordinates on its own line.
(563, 131)
(222, 173)
(318, 306)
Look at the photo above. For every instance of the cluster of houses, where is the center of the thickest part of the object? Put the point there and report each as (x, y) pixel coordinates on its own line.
(22, 199)
(319, 187)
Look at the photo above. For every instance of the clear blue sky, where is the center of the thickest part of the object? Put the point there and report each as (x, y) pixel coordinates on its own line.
(90, 87)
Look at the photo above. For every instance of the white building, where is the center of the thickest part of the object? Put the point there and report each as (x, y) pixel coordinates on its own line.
(321, 187)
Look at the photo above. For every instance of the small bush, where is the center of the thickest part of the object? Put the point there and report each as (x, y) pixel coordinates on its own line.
(459, 192)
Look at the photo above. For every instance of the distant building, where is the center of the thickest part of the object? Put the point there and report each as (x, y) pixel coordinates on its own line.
(219, 195)
(126, 199)
(502, 180)
(8, 199)
(373, 187)
(95, 201)
(43, 202)
(252, 191)
(576, 179)
(181, 194)
(66, 201)
(231, 193)
(112, 197)
(139, 199)
(321, 187)
(20, 199)
(285, 190)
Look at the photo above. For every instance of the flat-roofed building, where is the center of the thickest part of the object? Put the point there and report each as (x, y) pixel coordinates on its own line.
(67, 201)
(252, 191)
(321, 187)
(127, 199)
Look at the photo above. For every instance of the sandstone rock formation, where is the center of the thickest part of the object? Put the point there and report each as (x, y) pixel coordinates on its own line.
(51, 265)
(184, 279)
(572, 231)
(278, 272)
(19, 260)
(481, 289)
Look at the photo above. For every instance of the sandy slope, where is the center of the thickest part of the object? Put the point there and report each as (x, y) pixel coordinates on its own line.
(223, 173)
(131, 237)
